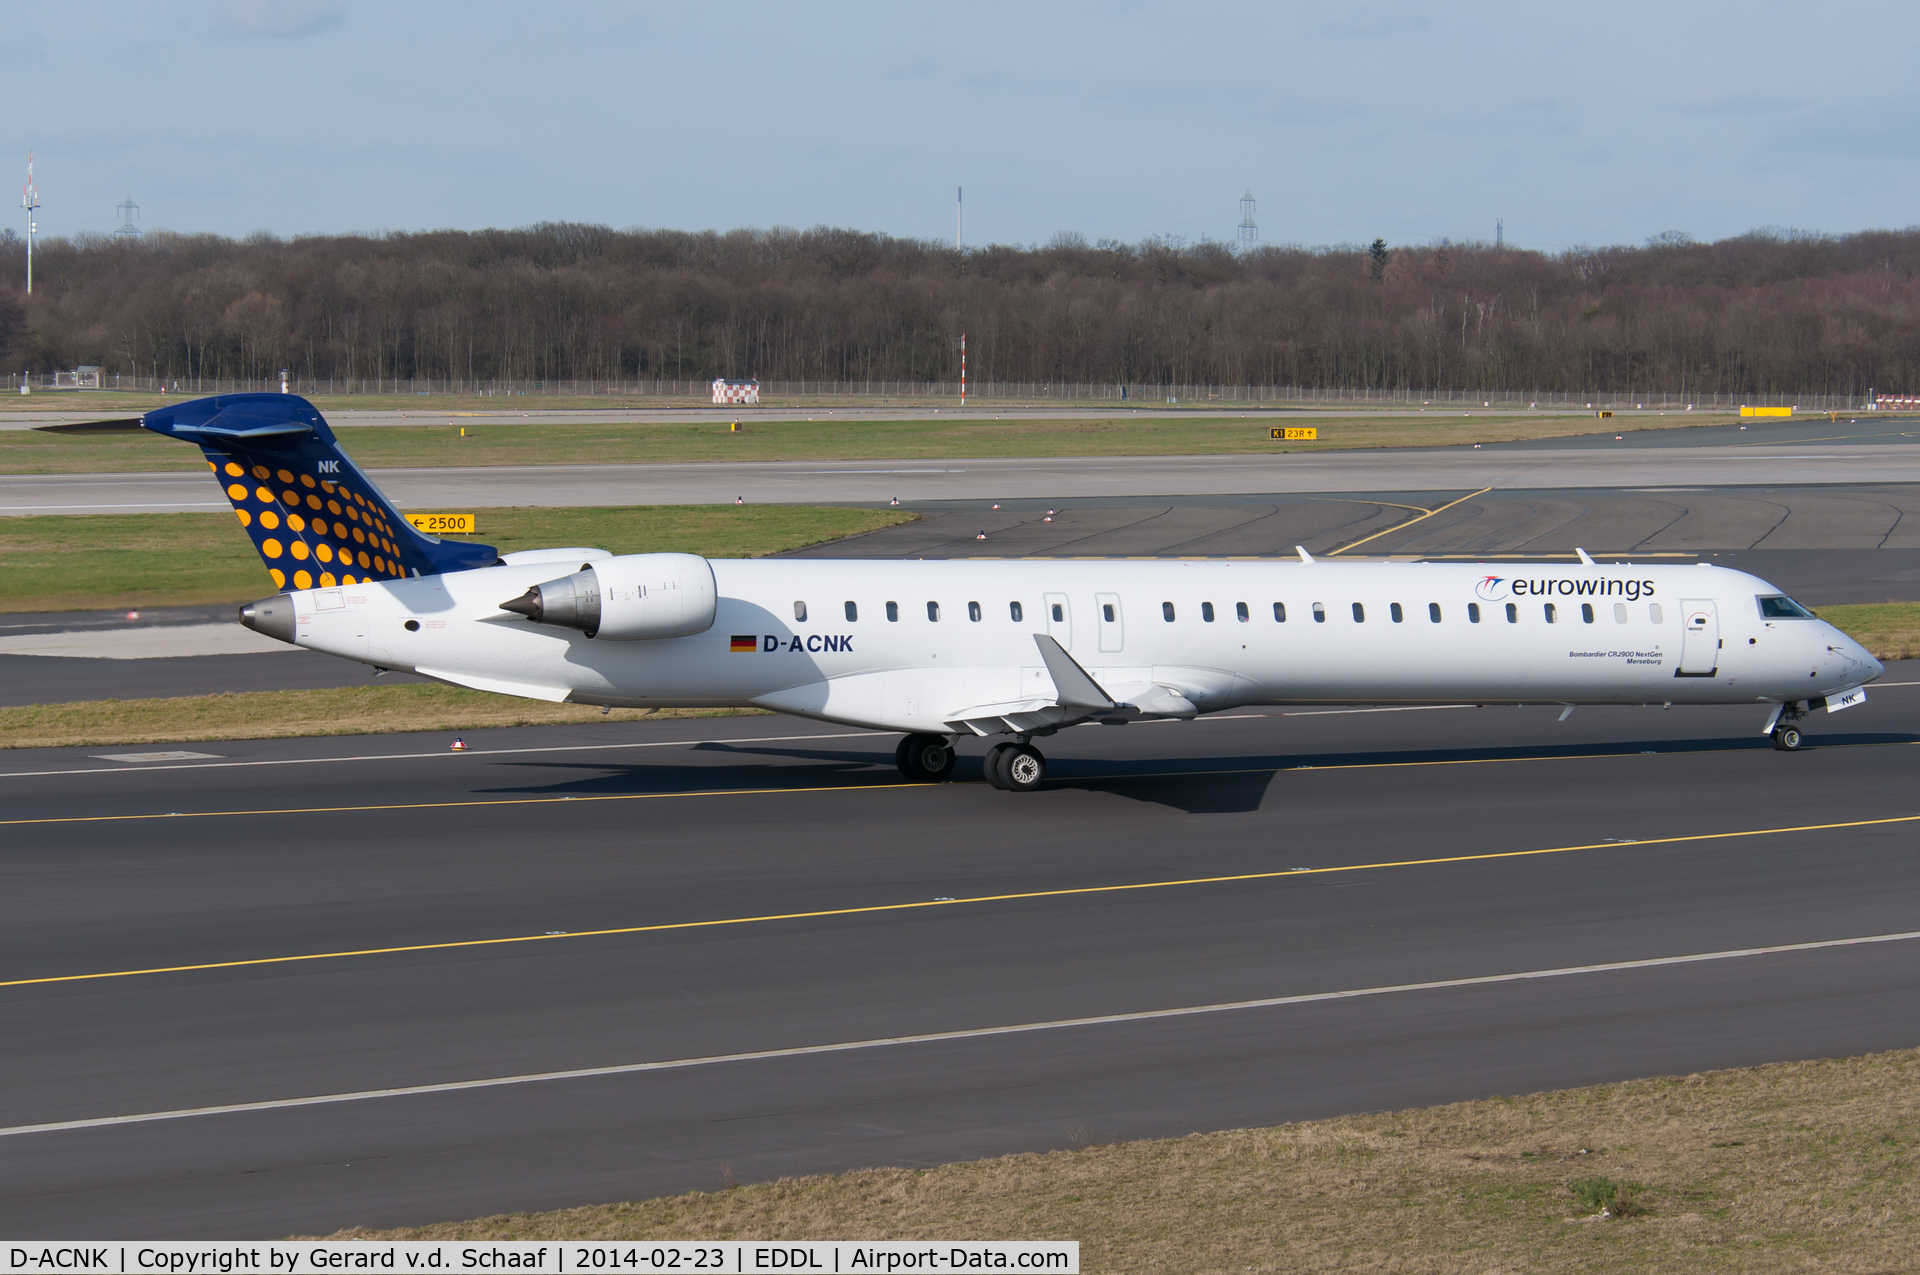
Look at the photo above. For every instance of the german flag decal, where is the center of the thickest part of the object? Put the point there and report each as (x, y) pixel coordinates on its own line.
(747, 642)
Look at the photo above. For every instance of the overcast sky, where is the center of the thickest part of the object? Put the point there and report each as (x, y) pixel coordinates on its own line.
(1577, 124)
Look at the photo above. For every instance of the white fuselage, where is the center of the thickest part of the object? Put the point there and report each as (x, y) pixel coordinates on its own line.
(1617, 635)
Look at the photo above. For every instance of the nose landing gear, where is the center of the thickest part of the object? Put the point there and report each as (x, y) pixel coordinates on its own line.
(1786, 737)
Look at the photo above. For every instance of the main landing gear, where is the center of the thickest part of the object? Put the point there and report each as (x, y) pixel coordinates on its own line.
(1014, 767)
(1010, 767)
(926, 759)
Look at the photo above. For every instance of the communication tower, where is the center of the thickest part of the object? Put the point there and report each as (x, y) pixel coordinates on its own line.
(30, 200)
(1499, 233)
(959, 213)
(1249, 233)
(129, 213)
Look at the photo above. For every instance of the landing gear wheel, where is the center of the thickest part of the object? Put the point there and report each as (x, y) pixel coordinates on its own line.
(1786, 738)
(1023, 768)
(993, 767)
(926, 759)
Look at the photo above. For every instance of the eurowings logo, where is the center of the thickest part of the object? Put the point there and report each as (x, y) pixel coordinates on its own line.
(1491, 588)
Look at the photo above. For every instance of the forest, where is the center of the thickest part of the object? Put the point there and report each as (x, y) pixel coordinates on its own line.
(1766, 312)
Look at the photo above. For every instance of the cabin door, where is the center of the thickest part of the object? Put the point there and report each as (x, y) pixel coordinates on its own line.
(1060, 620)
(1700, 643)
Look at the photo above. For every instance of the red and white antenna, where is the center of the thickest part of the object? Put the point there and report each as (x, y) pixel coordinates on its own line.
(963, 369)
(30, 200)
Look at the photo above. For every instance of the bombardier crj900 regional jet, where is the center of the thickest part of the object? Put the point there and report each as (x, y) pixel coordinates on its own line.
(1010, 651)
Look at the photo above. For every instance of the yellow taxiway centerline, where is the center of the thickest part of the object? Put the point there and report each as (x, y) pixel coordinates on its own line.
(868, 909)
(1401, 526)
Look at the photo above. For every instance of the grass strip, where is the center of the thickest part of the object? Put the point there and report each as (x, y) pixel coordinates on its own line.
(977, 436)
(343, 710)
(1889, 630)
(1788, 1167)
(116, 561)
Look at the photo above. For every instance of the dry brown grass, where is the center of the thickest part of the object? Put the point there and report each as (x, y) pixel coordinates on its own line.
(1791, 1167)
(347, 710)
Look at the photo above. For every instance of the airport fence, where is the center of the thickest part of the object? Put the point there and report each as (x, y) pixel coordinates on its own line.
(1009, 392)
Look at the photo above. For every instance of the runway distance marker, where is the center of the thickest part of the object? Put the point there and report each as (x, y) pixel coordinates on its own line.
(874, 908)
(971, 1033)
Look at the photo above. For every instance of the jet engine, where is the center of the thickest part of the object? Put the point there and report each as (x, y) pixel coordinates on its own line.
(641, 595)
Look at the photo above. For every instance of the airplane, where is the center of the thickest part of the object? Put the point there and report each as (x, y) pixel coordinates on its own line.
(1008, 651)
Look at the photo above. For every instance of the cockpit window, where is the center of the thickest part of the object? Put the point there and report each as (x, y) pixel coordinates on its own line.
(1781, 608)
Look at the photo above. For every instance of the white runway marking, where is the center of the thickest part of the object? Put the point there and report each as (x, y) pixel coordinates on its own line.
(975, 1033)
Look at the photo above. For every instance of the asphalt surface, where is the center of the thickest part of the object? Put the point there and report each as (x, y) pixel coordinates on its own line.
(1631, 463)
(785, 829)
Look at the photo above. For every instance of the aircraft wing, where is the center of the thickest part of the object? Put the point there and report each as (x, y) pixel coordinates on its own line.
(1077, 697)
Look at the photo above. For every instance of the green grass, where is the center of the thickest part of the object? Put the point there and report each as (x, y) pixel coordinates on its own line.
(111, 561)
(828, 438)
(374, 709)
(1889, 630)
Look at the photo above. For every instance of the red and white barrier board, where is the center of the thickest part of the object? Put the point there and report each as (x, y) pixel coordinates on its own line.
(725, 391)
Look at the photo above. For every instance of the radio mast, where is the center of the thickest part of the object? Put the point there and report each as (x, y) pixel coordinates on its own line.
(959, 213)
(1249, 233)
(30, 200)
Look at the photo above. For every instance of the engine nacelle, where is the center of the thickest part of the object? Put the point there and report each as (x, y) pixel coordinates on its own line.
(641, 595)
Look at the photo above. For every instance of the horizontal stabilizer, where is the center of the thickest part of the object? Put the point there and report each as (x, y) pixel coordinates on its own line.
(126, 425)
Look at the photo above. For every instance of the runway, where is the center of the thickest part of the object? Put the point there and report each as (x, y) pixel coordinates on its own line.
(1052, 479)
(759, 885)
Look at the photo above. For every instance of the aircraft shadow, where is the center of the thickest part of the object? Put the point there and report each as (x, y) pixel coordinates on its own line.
(1209, 785)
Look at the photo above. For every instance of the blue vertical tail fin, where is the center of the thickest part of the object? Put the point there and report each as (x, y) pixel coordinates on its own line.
(315, 518)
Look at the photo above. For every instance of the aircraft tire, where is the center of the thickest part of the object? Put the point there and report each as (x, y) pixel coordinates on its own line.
(993, 767)
(1024, 767)
(926, 759)
(1787, 738)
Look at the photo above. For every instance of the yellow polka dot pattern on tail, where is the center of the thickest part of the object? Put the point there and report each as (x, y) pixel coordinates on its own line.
(236, 492)
(269, 519)
(301, 580)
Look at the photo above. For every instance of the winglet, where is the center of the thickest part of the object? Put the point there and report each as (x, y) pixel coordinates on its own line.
(1304, 555)
(1584, 559)
(1073, 688)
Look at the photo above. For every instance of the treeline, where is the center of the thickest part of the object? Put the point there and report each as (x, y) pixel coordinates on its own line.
(1768, 312)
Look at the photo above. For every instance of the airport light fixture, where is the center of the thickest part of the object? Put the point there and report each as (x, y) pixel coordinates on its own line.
(30, 200)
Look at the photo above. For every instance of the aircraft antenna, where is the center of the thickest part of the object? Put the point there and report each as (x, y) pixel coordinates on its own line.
(1249, 232)
(30, 200)
(129, 213)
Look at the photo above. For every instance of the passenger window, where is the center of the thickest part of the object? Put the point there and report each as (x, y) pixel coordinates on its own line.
(1473, 613)
(1619, 613)
(1513, 613)
(1059, 614)
(853, 612)
(973, 612)
(1279, 613)
(1206, 612)
(1586, 612)
(1319, 613)
(893, 612)
(800, 613)
(1359, 614)
(1655, 614)
(1241, 613)
(933, 612)
(1397, 614)
(1106, 610)
(1553, 616)
(1166, 612)
(1013, 609)
(1433, 612)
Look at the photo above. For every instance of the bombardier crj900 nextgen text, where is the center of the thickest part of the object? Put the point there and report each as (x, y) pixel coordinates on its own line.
(942, 651)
